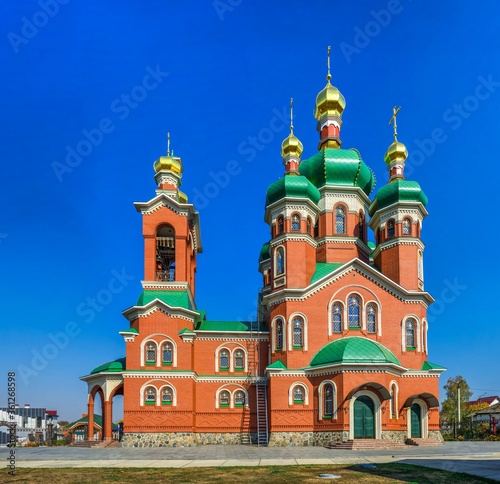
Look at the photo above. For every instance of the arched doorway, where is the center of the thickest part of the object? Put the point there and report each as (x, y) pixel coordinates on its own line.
(416, 421)
(364, 418)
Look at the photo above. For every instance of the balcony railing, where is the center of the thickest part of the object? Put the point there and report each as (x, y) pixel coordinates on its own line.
(167, 276)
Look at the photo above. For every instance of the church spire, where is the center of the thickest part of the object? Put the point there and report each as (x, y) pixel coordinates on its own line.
(397, 153)
(329, 107)
(291, 149)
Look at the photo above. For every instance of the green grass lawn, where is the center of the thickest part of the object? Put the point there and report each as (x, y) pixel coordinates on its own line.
(382, 473)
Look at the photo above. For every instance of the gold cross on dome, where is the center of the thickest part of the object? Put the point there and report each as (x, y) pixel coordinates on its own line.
(395, 111)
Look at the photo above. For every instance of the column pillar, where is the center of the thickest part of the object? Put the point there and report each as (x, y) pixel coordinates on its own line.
(107, 422)
(90, 418)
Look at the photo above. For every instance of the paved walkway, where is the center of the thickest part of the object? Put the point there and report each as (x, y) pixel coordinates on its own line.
(476, 458)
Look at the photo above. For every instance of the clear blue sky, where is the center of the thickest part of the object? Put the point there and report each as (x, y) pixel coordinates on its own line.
(125, 73)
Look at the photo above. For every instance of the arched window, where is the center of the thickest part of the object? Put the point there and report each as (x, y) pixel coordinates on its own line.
(410, 333)
(309, 225)
(281, 225)
(165, 253)
(295, 222)
(316, 229)
(371, 318)
(361, 225)
(280, 261)
(420, 266)
(337, 318)
(279, 334)
(150, 354)
(239, 360)
(340, 220)
(224, 399)
(354, 309)
(298, 394)
(167, 396)
(150, 396)
(298, 333)
(239, 398)
(406, 227)
(393, 401)
(328, 400)
(390, 228)
(167, 353)
(224, 359)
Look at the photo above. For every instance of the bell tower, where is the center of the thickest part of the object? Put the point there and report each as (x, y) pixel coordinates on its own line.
(170, 227)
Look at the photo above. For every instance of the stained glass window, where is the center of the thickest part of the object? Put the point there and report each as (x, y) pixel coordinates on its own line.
(224, 399)
(279, 334)
(167, 396)
(361, 225)
(297, 332)
(239, 360)
(280, 261)
(239, 398)
(354, 311)
(309, 225)
(410, 333)
(390, 228)
(295, 222)
(406, 227)
(224, 359)
(150, 395)
(328, 400)
(281, 225)
(339, 220)
(298, 394)
(167, 352)
(150, 353)
(371, 319)
(337, 318)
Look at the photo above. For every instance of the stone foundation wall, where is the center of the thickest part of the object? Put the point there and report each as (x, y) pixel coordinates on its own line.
(291, 439)
(165, 439)
(436, 435)
(398, 436)
(323, 439)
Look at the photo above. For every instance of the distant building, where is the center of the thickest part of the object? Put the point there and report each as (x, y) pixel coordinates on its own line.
(29, 421)
(493, 400)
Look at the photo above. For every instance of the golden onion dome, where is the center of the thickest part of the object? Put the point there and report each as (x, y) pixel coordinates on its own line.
(329, 100)
(396, 152)
(171, 163)
(291, 146)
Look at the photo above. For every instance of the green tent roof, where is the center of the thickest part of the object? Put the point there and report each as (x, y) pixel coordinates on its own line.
(85, 420)
(278, 364)
(353, 349)
(323, 269)
(333, 166)
(172, 298)
(292, 186)
(432, 366)
(129, 330)
(111, 366)
(230, 326)
(398, 191)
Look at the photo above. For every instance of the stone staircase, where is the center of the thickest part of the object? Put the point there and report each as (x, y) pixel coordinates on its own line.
(368, 444)
(423, 442)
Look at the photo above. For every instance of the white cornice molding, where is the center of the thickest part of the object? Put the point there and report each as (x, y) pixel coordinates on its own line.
(395, 241)
(292, 237)
(163, 200)
(360, 267)
(290, 203)
(237, 335)
(157, 305)
(407, 208)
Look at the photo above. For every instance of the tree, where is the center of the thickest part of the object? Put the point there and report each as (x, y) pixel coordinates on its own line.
(449, 409)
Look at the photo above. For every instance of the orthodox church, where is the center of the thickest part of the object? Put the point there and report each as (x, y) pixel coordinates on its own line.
(339, 351)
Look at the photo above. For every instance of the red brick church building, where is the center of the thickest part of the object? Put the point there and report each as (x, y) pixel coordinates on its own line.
(340, 348)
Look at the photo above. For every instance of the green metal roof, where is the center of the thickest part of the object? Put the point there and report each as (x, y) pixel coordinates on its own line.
(432, 366)
(278, 364)
(172, 298)
(230, 326)
(398, 191)
(353, 349)
(264, 253)
(323, 269)
(111, 366)
(292, 186)
(185, 330)
(129, 330)
(333, 166)
(85, 420)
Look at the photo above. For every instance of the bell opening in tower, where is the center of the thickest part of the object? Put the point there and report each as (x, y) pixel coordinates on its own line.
(165, 253)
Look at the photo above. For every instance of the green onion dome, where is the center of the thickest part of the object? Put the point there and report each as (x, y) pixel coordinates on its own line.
(264, 253)
(398, 191)
(292, 186)
(333, 166)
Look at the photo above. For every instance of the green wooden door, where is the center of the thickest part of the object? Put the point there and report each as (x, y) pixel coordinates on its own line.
(416, 421)
(364, 418)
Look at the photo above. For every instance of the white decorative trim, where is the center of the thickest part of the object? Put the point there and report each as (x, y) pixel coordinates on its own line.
(290, 392)
(321, 399)
(424, 419)
(377, 413)
(305, 332)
